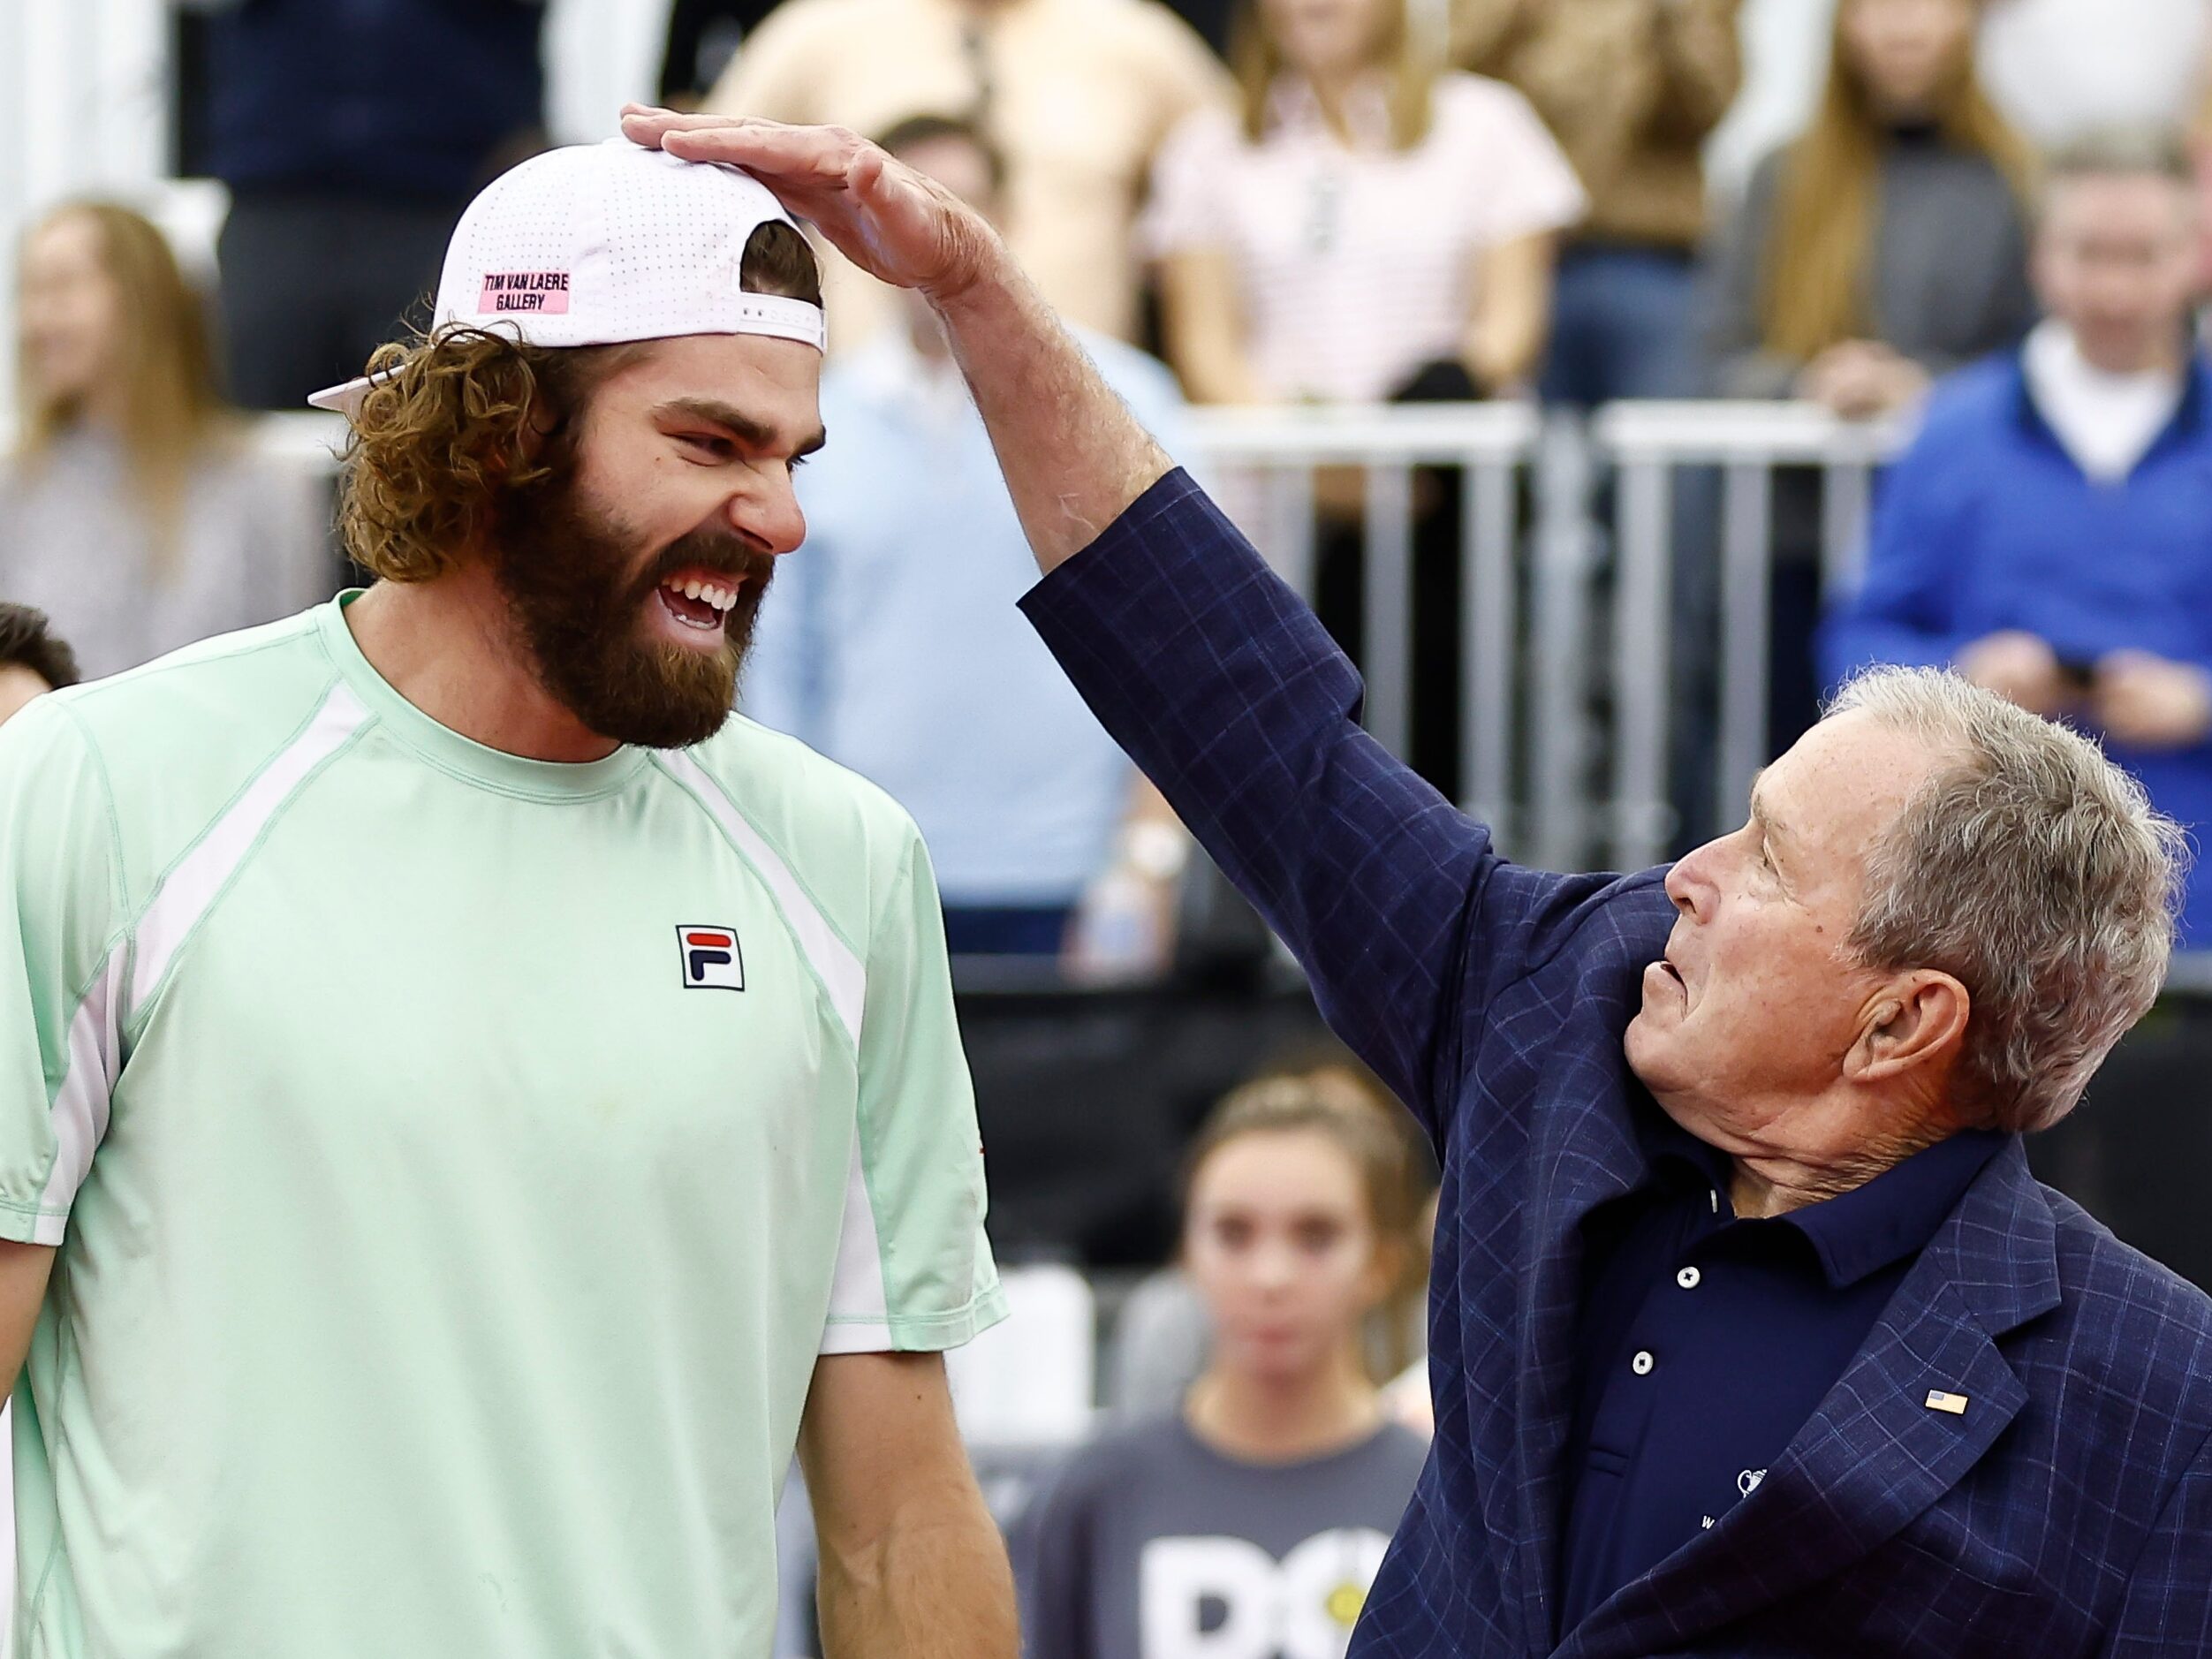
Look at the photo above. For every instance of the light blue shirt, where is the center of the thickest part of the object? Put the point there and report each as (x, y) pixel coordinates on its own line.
(890, 643)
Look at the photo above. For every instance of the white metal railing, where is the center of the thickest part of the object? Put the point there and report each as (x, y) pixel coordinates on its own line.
(1545, 715)
(1263, 464)
(1649, 445)
(1538, 714)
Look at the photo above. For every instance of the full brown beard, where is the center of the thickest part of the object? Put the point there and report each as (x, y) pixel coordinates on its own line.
(570, 577)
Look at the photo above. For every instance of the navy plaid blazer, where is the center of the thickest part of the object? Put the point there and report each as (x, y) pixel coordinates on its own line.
(2067, 1511)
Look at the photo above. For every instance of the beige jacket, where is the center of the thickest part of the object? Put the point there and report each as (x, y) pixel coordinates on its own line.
(1630, 88)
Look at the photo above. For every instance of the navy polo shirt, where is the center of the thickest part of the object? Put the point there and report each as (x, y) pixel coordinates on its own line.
(1706, 1341)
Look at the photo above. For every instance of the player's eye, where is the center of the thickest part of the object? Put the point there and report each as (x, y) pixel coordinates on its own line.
(719, 447)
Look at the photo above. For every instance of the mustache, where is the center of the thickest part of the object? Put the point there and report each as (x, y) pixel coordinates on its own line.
(718, 552)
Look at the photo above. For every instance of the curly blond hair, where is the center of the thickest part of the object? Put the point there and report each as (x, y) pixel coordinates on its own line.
(453, 423)
(458, 420)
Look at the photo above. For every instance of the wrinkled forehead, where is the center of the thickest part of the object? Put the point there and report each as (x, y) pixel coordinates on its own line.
(1843, 783)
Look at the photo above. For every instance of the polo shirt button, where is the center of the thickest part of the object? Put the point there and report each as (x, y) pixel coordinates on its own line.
(1642, 1363)
(1687, 1279)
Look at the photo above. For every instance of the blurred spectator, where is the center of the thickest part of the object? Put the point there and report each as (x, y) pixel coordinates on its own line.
(134, 514)
(1076, 94)
(1632, 88)
(1886, 246)
(33, 661)
(351, 136)
(1359, 220)
(1251, 1521)
(1888, 243)
(1363, 228)
(2051, 531)
(2061, 68)
(1163, 1336)
(893, 645)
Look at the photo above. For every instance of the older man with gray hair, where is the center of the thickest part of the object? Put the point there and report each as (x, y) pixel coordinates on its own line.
(1751, 1331)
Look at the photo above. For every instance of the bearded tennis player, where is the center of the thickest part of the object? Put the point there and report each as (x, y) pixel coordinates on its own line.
(469, 1106)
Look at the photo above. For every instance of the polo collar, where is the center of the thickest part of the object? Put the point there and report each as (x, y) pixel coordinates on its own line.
(1896, 1213)
(1855, 1233)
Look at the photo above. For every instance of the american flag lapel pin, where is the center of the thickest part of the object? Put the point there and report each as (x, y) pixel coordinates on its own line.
(1939, 1401)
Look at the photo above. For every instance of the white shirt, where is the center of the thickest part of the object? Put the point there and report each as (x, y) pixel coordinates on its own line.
(2106, 422)
(1356, 263)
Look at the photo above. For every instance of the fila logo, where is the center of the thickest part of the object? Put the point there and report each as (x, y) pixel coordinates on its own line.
(712, 961)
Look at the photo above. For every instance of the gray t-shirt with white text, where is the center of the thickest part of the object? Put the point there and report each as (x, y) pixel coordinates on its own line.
(1151, 1545)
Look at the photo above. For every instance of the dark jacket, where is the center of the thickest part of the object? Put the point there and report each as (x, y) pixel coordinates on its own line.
(2067, 1511)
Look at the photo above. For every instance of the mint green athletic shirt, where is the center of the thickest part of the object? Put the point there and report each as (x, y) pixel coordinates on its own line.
(457, 1163)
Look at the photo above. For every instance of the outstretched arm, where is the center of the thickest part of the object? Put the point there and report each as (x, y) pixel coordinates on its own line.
(1211, 673)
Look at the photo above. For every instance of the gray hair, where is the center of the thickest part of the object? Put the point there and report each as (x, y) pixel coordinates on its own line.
(2033, 870)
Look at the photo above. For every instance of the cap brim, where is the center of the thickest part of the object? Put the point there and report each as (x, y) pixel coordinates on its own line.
(345, 400)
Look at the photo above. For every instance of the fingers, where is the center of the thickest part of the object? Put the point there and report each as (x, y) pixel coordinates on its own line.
(643, 123)
(796, 153)
(746, 141)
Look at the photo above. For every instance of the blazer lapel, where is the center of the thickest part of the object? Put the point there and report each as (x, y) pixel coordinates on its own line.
(1585, 1151)
(1875, 1455)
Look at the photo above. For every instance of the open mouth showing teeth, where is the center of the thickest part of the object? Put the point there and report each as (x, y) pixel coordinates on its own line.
(699, 604)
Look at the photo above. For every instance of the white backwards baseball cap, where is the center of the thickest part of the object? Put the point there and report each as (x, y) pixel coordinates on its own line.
(602, 243)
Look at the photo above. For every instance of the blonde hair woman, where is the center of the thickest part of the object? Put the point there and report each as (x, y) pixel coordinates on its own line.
(1889, 242)
(1882, 248)
(132, 511)
(1255, 1515)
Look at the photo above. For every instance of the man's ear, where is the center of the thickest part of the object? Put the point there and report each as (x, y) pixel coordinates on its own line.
(1916, 1020)
(538, 428)
(522, 455)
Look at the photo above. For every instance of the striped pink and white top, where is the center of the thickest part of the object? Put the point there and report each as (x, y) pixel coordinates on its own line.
(1357, 262)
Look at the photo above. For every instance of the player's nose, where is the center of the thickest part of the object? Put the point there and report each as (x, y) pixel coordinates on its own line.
(770, 517)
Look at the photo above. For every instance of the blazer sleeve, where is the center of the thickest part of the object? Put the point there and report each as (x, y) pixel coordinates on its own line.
(2167, 1606)
(1225, 689)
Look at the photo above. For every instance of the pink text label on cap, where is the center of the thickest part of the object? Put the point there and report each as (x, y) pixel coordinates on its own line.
(541, 290)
